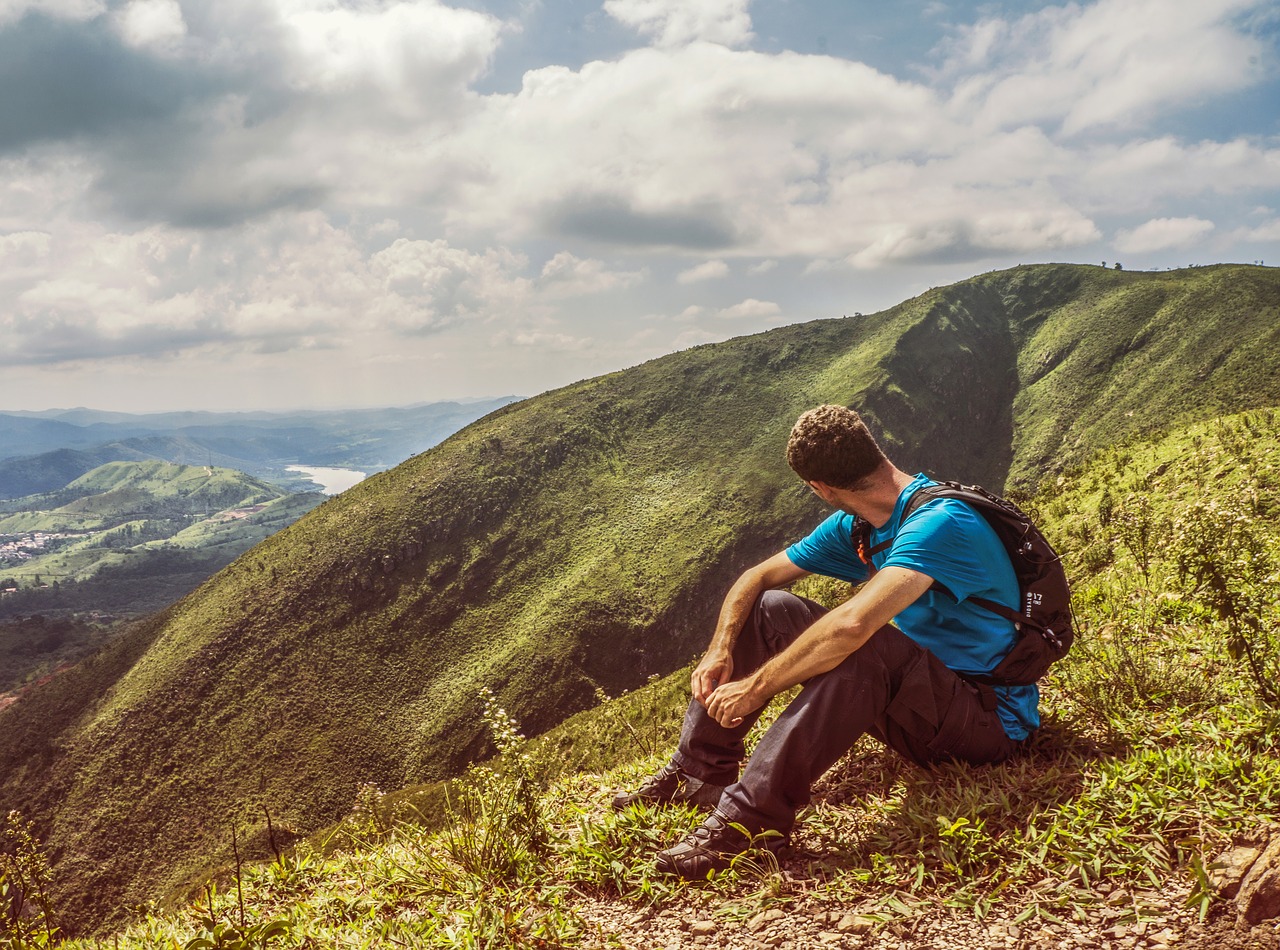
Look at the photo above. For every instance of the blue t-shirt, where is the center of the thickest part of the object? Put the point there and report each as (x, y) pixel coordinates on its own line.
(949, 541)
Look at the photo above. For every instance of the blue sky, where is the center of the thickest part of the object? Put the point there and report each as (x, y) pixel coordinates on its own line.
(256, 204)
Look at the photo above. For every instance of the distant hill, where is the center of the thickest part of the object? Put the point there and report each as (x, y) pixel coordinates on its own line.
(41, 452)
(129, 538)
(576, 540)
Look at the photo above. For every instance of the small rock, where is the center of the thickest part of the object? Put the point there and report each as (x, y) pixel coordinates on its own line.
(1259, 896)
(855, 924)
(830, 937)
(763, 919)
(702, 928)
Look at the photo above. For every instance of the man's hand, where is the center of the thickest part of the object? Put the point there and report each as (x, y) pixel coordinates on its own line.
(715, 668)
(732, 702)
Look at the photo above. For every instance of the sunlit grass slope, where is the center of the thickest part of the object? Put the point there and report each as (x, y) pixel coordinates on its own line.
(577, 540)
(1160, 750)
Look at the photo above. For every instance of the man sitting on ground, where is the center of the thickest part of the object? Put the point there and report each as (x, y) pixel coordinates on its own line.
(903, 684)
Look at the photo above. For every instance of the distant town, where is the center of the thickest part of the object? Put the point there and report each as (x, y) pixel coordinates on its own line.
(21, 547)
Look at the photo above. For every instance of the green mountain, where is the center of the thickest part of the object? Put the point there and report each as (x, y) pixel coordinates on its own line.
(1158, 753)
(576, 541)
(123, 540)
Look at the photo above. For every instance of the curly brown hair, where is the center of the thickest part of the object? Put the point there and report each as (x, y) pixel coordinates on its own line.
(832, 444)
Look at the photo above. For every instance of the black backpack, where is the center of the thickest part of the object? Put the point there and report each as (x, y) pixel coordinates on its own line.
(1044, 625)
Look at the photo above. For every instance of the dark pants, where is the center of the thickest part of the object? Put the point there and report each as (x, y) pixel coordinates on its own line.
(891, 687)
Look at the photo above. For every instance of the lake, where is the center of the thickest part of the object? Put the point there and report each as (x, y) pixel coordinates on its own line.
(331, 480)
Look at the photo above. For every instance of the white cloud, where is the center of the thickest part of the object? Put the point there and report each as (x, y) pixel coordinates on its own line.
(542, 340)
(1108, 63)
(1267, 231)
(1139, 175)
(568, 276)
(750, 308)
(426, 284)
(270, 104)
(22, 249)
(708, 270)
(1162, 234)
(287, 282)
(677, 22)
(322, 174)
(155, 24)
(401, 49)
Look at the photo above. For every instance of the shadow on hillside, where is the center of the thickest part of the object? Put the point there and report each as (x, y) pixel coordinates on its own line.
(873, 802)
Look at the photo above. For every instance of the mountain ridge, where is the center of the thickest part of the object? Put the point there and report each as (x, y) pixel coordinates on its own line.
(533, 552)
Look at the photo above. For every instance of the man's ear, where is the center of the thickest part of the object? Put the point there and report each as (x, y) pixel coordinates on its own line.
(823, 491)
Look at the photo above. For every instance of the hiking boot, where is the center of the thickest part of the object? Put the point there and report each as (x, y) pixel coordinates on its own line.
(711, 846)
(671, 785)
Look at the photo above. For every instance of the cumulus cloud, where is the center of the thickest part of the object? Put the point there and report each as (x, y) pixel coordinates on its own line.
(1107, 63)
(1162, 234)
(22, 250)
(542, 340)
(299, 173)
(1267, 231)
(677, 22)
(708, 270)
(91, 293)
(223, 112)
(154, 24)
(1137, 175)
(568, 276)
(750, 308)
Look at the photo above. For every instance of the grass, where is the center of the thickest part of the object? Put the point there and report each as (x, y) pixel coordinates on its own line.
(580, 541)
(1160, 750)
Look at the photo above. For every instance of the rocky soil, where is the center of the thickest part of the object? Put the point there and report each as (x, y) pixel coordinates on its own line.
(1245, 916)
(1166, 923)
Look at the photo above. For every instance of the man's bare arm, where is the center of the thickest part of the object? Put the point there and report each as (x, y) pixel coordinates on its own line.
(823, 646)
(716, 666)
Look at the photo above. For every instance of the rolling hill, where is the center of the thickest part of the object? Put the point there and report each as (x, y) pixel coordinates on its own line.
(576, 540)
(121, 541)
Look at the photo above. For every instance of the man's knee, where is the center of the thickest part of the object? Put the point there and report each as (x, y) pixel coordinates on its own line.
(781, 616)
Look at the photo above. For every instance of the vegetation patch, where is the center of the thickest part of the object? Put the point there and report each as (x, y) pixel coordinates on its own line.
(1159, 751)
(581, 541)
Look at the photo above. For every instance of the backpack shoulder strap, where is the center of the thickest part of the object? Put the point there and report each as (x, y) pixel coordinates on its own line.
(862, 530)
